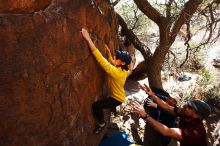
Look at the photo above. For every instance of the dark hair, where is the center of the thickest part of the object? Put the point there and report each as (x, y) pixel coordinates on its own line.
(125, 67)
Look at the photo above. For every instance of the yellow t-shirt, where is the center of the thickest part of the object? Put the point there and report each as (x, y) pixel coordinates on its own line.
(116, 77)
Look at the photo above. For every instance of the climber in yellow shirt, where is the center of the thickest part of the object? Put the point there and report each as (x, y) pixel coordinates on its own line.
(117, 72)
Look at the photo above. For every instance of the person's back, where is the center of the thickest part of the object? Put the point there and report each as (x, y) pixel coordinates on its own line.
(116, 85)
(161, 115)
(155, 113)
(169, 120)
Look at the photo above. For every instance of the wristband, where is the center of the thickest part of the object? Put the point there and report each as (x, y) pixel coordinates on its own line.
(145, 117)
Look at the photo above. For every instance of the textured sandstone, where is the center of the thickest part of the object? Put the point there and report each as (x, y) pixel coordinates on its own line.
(48, 77)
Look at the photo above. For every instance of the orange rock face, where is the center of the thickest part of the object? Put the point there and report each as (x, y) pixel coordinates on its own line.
(23, 6)
(48, 77)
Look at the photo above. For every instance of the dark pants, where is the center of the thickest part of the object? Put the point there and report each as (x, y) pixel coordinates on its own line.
(106, 103)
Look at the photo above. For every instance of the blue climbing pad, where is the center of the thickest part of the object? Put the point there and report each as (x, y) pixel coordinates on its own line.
(117, 139)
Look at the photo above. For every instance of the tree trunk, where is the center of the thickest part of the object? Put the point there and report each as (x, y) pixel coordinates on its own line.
(168, 31)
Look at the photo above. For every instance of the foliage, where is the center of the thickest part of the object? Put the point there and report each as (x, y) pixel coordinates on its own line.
(205, 87)
(195, 61)
(161, 22)
(205, 74)
(134, 18)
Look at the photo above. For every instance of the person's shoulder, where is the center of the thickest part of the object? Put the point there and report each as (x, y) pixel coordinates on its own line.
(121, 71)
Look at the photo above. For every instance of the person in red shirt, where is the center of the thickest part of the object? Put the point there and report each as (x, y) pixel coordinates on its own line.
(191, 131)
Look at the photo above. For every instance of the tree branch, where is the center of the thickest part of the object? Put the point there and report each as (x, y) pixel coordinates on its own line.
(115, 3)
(136, 19)
(133, 38)
(188, 37)
(187, 55)
(168, 9)
(185, 15)
(149, 11)
(212, 22)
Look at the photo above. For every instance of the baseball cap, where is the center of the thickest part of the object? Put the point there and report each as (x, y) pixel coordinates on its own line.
(200, 106)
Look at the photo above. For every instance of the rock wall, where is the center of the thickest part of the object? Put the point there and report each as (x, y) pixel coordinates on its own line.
(48, 77)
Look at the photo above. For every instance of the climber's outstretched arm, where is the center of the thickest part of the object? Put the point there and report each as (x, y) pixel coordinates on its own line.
(110, 59)
(88, 39)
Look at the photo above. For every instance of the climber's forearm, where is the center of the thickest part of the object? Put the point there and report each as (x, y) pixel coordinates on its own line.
(91, 45)
(87, 37)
